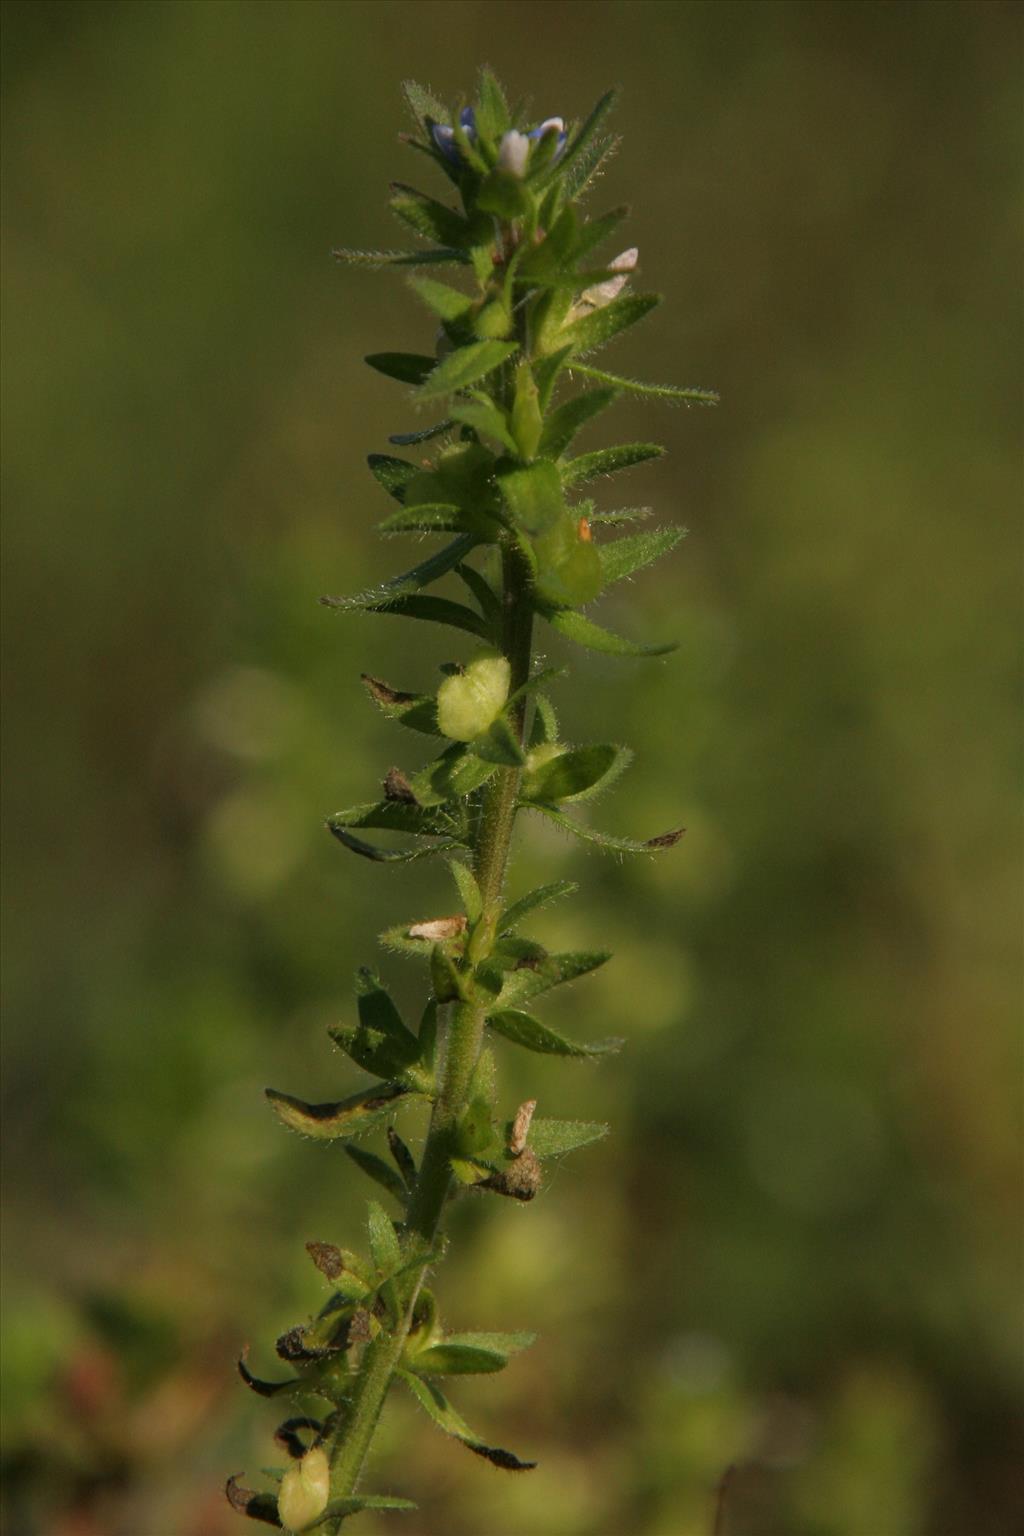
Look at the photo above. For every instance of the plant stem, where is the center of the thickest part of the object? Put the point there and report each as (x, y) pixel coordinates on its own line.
(462, 1048)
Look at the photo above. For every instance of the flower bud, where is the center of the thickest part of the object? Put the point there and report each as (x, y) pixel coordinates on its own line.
(513, 153)
(471, 701)
(304, 1491)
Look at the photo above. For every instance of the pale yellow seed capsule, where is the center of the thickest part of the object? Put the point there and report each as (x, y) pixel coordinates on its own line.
(471, 701)
(305, 1490)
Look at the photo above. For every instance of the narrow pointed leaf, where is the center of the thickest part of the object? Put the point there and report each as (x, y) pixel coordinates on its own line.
(654, 391)
(583, 631)
(355, 1503)
(445, 1417)
(447, 303)
(431, 219)
(465, 366)
(346, 1117)
(608, 461)
(490, 603)
(553, 1138)
(416, 711)
(586, 134)
(523, 1029)
(593, 231)
(590, 163)
(426, 517)
(544, 729)
(406, 367)
(500, 1343)
(409, 439)
(449, 1359)
(378, 1170)
(605, 840)
(597, 327)
(542, 896)
(379, 1042)
(443, 257)
(577, 774)
(385, 1249)
(564, 422)
(394, 816)
(626, 556)
(486, 420)
(468, 889)
(424, 106)
(393, 474)
(621, 515)
(499, 744)
(541, 975)
(389, 593)
(404, 1160)
(453, 775)
(432, 610)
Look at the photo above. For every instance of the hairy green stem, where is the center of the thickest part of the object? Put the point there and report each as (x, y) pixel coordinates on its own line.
(463, 1041)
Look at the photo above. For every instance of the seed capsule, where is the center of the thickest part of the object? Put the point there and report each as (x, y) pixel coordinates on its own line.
(471, 701)
(304, 1492)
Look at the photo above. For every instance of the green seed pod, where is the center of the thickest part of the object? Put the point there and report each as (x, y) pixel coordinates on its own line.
(304, 1491)
(471, 701)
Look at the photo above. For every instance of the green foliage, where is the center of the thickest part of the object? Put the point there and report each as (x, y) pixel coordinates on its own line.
(499, 478)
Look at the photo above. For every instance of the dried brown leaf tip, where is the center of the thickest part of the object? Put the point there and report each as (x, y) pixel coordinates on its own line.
(258, 1506)
(666, 839)
(439, 929)
(327, 1259)
(521, 1127)
(397, 787)
(383, 693)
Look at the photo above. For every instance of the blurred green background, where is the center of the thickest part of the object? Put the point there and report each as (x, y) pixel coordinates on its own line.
(800, 1249)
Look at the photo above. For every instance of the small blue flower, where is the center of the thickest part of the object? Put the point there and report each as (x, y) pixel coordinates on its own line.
(444, 136)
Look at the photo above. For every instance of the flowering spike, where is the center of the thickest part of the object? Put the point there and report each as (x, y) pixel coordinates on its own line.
(494, 470)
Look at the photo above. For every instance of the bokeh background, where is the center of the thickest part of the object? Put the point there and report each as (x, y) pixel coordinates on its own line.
(800, 1249)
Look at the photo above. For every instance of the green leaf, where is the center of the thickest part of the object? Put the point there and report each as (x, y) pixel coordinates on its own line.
(492, 116)
(355, 1503)
(499, 744)
(594, 231)
(378, 1170)
(452, 776)
(380, 1043)
(553, 1138)
(582, 140)
(534, 497)
(393, 474)
(604, 839)
(564, 422)
(626, 556)
(445, 302)
(439, 258)
(346, 1117)
(655, 391)
(542, 896)
(544, 729)
(577, 774)
(385, 1249)
(490, 603)
(406, 367)
(264, 1388)
(546, 371)
(597, 327)
(433, 1400)
(428, 517)
(416, 711)
(409, 439)
(541, 975)
(523, 1029)
(400, 1152)
(391, 592)
(620, 515)
(607, 461)
(589, 164)
(465, 366)
(469, 891)
(583, 631)
(425, 108)
(429, 218)
(432, 610)
(395, 816)
(485, 419)
(498, 1343)
(450, 1359)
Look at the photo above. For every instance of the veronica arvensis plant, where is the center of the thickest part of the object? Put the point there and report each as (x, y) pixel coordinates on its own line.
(502, 486)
